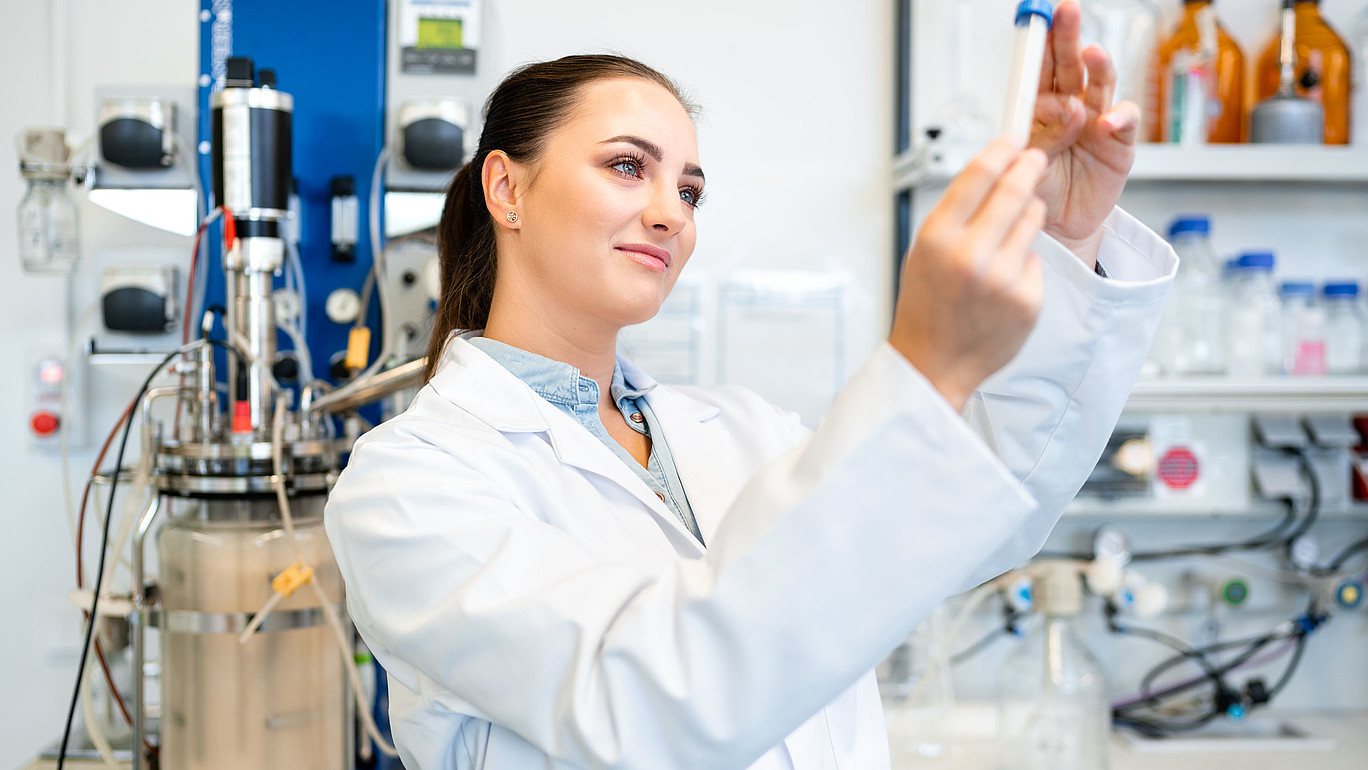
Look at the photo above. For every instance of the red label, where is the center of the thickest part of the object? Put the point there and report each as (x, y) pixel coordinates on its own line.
(1178, 468)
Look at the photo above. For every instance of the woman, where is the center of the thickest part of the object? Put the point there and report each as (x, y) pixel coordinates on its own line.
(562, 564)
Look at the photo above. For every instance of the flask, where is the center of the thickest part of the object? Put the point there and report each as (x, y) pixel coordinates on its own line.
(1199, 74)
(1128, 30)
(1253, 317)
(1343, 328)
(1323, 69)
(1052, 693)
(1303, 330)
(1198, 302)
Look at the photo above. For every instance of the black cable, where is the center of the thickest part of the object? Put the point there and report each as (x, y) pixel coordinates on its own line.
(1338, 562)
(983, 643)
(104, 551)
(1291, 666)
(1147, 682)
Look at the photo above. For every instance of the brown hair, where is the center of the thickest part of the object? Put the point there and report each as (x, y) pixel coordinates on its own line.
(533, 101)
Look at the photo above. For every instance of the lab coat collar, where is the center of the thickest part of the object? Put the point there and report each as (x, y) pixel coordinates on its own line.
(472, 380)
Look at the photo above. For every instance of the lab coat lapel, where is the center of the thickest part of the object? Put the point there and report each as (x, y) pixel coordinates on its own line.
(698, 444)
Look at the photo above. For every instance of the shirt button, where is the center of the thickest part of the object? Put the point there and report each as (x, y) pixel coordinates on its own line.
(636, 417)
(662, 497)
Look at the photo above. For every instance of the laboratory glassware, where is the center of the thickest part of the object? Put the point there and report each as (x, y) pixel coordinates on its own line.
(1129, 31)
(1053, 704)
(1253, 317)
(1343, 328)
(918, 692)
(1199, 73)
(1303, 330)
(48, 223)
(1323, 69)
(1286, 117)
(1196, 316)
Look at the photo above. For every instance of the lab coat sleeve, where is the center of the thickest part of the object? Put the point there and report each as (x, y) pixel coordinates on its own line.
(828, 557)
(1049, 413)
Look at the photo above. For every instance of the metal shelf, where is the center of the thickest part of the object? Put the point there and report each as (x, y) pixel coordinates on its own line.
(936, 164)
(1254, 394)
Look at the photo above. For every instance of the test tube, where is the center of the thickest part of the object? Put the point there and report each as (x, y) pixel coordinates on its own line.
(1033, 20)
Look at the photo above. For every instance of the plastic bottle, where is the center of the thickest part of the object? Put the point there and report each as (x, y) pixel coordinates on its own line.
(1200, 52)
(1052, 694)
(1198, 301)
(1129, 31)
(1343, 328)
(1303, 330)
(1323, 69)
(1253, 317)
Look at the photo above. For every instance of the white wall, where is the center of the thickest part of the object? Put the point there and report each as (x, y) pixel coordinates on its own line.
(796, 136)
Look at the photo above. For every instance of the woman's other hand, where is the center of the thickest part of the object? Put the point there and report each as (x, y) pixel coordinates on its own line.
(971, 287)
(1090, 143)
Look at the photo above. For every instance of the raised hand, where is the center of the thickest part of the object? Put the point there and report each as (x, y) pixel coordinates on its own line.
(1089, 142)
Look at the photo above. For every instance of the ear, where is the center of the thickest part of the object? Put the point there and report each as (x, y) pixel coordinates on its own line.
(501, 179)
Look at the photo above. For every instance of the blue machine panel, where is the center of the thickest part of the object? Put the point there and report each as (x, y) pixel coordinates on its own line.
(330, 56)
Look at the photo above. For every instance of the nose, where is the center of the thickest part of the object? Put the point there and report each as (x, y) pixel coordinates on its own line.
(665, 213)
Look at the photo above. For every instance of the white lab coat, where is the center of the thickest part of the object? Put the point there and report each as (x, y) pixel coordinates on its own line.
(536, 606)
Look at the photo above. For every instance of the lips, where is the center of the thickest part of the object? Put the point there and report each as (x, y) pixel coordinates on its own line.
(645, 253)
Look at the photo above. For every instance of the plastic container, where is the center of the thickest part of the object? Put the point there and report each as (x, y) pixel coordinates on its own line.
(1323, 69)
(1343, 328)
(1129, 31)
(1052, 693)
(48, 234)
(1253, 317)
(1303, 330)
(1199, 79)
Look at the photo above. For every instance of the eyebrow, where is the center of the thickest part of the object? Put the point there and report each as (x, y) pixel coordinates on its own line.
(653, 149)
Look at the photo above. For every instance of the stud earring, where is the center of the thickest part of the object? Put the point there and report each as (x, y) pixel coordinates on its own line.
(511, 216)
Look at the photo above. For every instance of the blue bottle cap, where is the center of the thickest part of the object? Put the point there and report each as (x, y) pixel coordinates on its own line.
(1233, 264)
(1029, 8)
(1348, 289)
(1257, 260)
(1298, 289)
(1194, 224)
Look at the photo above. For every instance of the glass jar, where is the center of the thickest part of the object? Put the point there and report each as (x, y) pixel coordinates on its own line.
(1323, 69)
(1198, 302)
(1343, 328)
(1303, 330)
(48, 235)
(1128, 30)
(1199, 71)
(1253, 317)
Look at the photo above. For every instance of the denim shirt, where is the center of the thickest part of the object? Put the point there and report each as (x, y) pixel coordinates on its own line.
(563, 386)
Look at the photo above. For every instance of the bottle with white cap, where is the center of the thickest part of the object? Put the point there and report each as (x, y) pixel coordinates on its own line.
(1052, 694)
(1253, 317)
(1343, 328)
(1197, 306)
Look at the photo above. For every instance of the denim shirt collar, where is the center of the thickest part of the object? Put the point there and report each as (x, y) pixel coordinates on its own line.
(557, 382)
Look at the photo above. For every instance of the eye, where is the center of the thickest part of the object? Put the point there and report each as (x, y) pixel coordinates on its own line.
(692, 196)
(628, 166)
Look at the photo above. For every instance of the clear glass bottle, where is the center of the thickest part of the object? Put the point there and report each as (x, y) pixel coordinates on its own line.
(1198, 301)
(917, 692)
(1253, 317)
(1303, 330)
(1054, 712)
(1343, 328)
(1128, 30)
(47, 227)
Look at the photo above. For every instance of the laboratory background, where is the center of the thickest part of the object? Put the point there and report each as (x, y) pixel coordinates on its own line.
(222, 271)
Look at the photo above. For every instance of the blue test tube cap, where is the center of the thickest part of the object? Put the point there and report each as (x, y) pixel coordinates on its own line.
(1029, 8)
(1298, 289)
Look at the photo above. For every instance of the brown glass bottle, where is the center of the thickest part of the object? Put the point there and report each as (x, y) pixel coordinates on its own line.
(1323, 69)
(1228, 125)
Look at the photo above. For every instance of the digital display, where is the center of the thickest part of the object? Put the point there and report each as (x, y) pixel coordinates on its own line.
(439, 33)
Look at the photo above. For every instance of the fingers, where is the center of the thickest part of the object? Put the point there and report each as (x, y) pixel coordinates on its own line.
(1122, 122)
(1101, 88)
(966, 192)
(1064, 43)
(1011, 197)
(1015, 251)
(1058, 123)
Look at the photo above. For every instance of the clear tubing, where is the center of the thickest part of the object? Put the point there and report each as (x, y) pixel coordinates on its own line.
(1028, 55)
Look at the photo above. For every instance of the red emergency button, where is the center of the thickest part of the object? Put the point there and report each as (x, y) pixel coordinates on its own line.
(44, 423)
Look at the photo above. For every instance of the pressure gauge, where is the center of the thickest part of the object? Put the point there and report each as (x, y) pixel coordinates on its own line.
(342, 306)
